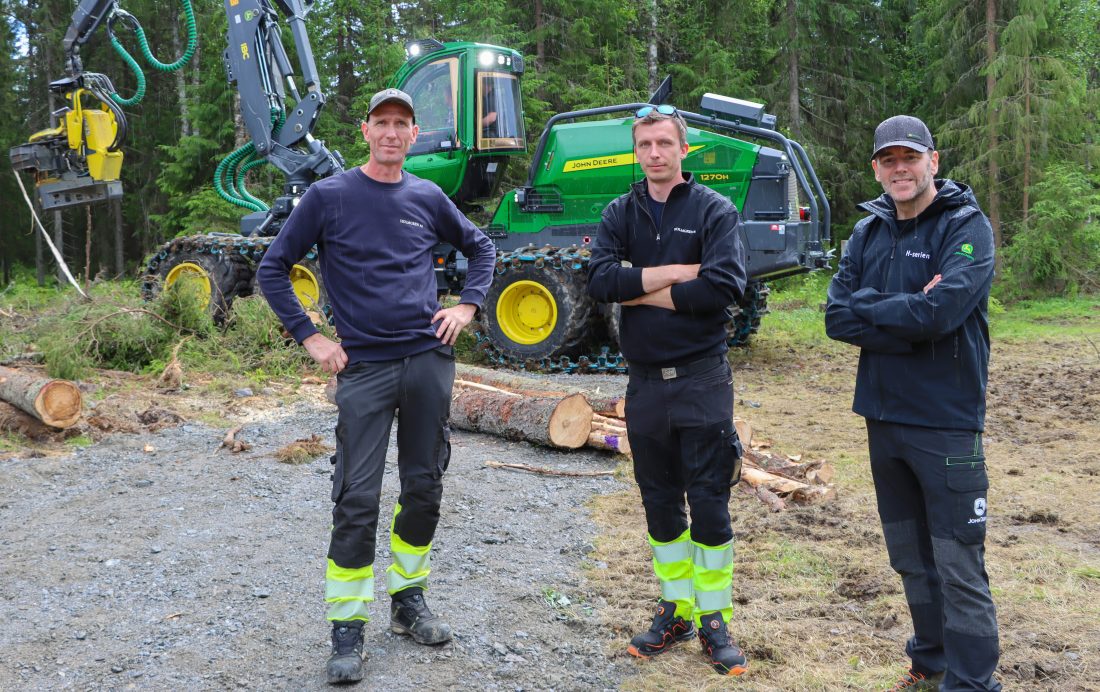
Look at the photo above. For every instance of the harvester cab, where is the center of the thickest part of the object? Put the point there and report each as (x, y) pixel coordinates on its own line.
(470, 113)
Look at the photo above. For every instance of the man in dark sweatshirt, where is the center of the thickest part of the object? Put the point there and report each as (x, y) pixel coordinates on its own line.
(911, 291)
(375, 227)
(670, 252)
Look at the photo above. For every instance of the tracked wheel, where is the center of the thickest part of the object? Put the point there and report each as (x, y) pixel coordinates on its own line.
(747, 314)
(534, 312)
(612, 318)
(218, 277)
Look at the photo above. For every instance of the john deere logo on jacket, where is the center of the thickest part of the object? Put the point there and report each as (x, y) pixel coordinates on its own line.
(967, 251)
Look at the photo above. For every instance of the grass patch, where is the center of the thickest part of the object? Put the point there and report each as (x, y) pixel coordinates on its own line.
(1039, 319)
(80, 441)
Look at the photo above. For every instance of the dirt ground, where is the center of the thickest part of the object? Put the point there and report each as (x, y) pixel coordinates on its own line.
(816, 603)
(186, 567)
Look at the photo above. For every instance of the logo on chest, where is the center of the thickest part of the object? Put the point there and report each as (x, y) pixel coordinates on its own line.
(918, 254)
(411, 223)
(689, 231)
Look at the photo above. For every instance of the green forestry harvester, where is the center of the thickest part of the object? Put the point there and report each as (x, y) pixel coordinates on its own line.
(537, 313)
(467, 97)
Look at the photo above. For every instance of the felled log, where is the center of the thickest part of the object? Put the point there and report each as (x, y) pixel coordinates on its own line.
(795, 491)
(13, 420)
(544, 471)
(531, 386)
(609, 434)
(57, 403)
(819, 471)
(610, 440)
(563, 422)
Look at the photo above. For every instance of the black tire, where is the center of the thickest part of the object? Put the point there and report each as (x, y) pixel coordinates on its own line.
(228, 274)
(747, 314)
(612, 319)
(561, 290)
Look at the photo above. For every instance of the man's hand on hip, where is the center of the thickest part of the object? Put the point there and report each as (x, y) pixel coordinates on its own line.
(328, 353)
(451, 322)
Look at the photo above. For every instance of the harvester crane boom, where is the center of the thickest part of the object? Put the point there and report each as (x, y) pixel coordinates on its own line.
(280, 128)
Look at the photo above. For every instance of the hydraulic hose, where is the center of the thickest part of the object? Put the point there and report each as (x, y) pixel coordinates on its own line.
(143, 44)
(225, 174)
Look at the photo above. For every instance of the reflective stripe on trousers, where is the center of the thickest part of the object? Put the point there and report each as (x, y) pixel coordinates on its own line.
(411, 564)
(672, 565)
(348, 591)
(713, 580)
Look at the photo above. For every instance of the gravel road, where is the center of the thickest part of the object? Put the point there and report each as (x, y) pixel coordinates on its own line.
(157, 561)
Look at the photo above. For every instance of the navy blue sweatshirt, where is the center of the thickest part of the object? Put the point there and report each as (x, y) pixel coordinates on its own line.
(924, 357)
(375, 241)
(698, 226)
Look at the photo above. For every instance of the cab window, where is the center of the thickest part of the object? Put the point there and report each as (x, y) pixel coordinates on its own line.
(499, 119)
(434, 91)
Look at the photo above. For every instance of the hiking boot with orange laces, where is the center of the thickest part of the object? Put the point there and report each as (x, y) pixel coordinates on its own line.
(912, 680)
(725, 657)
(666, 630)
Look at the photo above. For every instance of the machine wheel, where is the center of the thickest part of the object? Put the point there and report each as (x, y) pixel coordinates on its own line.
(218, 277)
(309, 287)
(747, 314)
(612, 318)
(536, 312)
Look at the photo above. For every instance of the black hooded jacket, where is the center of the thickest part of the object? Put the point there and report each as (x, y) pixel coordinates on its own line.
(924, 357)
(698, 226)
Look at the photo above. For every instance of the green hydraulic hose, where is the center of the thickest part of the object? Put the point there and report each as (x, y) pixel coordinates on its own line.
(143, 44)
(224, 174)
(242, 170)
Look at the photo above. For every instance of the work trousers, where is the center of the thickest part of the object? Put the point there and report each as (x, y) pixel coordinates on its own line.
(686, 454)
(419, 389)
(931, 486)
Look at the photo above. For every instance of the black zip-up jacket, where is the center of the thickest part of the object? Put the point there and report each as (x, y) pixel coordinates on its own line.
(698, 226)
(924, 357)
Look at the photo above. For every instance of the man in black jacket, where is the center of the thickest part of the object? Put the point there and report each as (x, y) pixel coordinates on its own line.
(912, 291)
(670, 252)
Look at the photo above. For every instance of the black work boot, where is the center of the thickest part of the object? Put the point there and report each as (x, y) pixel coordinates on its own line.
(410, 615)
(666, 630)
(346, 662)
(913, 680)
(725, 657)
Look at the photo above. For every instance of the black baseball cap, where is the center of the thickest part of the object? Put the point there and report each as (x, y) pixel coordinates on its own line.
(903, 131)
(391, 96)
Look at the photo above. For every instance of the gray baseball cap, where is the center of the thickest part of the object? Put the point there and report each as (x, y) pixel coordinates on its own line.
(903, 131)
(391, 96)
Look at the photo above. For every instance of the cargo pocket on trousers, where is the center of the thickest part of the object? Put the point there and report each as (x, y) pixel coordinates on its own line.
(337, 461)
(968, 484)
(735, 451)
(443, 452)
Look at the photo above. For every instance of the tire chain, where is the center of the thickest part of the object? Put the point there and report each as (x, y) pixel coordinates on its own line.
(251, 248)
(570, 259)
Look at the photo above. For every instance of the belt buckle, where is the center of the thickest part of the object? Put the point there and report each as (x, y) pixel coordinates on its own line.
(668, 373)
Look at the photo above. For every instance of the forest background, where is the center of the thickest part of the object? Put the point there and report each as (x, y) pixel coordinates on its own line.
(1010, 89)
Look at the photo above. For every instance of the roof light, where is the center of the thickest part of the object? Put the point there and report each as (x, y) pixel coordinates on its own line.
(414, 50)
(485, 58)
(500, 59)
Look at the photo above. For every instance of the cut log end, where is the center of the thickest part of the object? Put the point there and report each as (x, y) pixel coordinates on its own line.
(59, 403)
(571, 422)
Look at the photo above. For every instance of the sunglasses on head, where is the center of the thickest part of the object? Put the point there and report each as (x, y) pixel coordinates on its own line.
(663, 109)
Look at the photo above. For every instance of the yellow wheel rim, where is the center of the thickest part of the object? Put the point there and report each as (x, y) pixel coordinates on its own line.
(527, 312)
(306, 286)
(191, 276)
